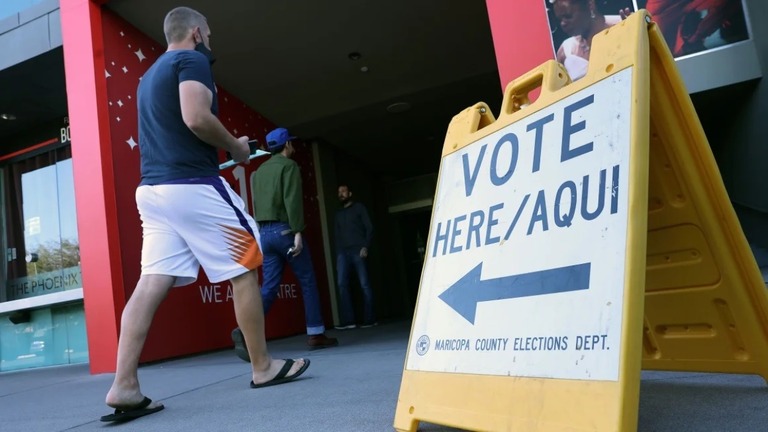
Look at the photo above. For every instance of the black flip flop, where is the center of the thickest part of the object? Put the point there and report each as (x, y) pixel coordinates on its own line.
(128, 414)
(281, 377)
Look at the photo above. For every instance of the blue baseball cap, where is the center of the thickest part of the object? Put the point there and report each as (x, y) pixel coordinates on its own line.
(277, 138)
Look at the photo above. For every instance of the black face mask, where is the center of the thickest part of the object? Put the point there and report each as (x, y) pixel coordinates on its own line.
(201, 48)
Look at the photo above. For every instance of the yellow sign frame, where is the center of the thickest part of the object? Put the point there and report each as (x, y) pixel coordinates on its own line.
(694, 299)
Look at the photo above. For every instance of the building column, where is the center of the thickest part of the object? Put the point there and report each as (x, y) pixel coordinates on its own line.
(102, 275)
(521, 38)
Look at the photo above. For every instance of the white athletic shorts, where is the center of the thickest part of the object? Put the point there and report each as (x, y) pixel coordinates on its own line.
(195, 222)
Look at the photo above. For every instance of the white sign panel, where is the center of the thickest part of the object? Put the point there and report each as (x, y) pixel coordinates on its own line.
(33, 225)
(524, 273)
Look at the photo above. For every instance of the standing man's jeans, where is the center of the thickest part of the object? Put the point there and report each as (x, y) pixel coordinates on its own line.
(276, 239)
(345, 261)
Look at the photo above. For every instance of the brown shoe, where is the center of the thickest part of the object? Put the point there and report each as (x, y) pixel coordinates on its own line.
(321, 341)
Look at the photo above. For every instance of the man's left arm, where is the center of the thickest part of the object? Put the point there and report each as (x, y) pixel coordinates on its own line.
(368, 226)
(292, 196)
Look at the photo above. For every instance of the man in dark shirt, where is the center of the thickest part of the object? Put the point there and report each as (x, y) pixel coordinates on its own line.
(279, 210)
(190, 216)
(353, 232)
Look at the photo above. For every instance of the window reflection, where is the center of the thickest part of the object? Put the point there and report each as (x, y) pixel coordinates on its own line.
(53, 336)
(42, 256)
(43, 252)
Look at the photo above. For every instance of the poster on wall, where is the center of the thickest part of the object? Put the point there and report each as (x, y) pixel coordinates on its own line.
(689, 27)
(694, 26)
(573, 23)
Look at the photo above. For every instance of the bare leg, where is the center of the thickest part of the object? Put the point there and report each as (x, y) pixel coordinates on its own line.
(249, 313)
(137, 317)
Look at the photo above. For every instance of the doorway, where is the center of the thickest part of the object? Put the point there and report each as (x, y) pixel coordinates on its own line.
(414, 233)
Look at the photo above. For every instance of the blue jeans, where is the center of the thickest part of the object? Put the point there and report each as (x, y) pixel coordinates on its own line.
(276, 239)
(345, 261)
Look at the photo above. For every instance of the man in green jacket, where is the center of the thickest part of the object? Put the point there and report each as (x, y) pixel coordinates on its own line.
(279, 211)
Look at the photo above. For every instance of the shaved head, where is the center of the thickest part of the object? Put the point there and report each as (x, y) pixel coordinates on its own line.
(180, 22)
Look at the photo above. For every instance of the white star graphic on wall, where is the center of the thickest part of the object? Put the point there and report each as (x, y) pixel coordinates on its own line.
(106, 73)
(129, 96)
(225, 99)
(113, 63)
(118, 119)
(122, 34)
(131, 142)
(125, 69)
(120, 103)
(110, 103)
(235, 132)
(140, 55)
(129, 45)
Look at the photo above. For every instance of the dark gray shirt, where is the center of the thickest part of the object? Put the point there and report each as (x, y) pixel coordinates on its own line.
(353, 229)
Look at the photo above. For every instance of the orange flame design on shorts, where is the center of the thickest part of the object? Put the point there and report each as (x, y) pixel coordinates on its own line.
(243, 247)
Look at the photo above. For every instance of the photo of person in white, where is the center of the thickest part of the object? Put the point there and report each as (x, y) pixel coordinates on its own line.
(574, 23)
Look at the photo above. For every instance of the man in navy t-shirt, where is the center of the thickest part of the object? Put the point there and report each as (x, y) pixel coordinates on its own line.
(170, 149)
(190, 216)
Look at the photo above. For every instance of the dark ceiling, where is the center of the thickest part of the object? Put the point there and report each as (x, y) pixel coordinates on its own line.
(33, 92)
(290, 61)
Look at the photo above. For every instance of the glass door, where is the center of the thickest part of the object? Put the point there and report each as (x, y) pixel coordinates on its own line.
(43, 254)
(42, 257)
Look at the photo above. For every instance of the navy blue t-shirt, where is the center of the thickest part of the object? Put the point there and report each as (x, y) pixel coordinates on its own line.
(169, 150)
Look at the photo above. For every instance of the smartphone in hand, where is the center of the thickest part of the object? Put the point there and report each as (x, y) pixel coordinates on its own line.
(253, 145)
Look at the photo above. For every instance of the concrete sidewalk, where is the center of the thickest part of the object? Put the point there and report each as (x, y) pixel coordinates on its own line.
(353, 387)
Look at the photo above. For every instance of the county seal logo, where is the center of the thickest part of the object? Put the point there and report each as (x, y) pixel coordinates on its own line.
(422, 345)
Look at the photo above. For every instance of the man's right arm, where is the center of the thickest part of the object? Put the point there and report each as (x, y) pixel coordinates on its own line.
(293, 197)
(367, 225)
(196, 100)
(561, 55)
(337, 230)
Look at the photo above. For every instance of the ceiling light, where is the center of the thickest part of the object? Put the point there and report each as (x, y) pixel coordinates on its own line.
(354, 56)
(5, 116)
(364, 69)
(399, 107)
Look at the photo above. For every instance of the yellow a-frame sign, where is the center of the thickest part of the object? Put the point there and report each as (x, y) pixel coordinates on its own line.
(573, 241)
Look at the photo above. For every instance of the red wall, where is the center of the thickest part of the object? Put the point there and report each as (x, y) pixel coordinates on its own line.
(100, 253)
(200, 316)
(521, 36)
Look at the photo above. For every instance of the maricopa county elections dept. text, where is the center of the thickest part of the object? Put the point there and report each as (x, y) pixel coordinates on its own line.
(535, 343)
(540, 210)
